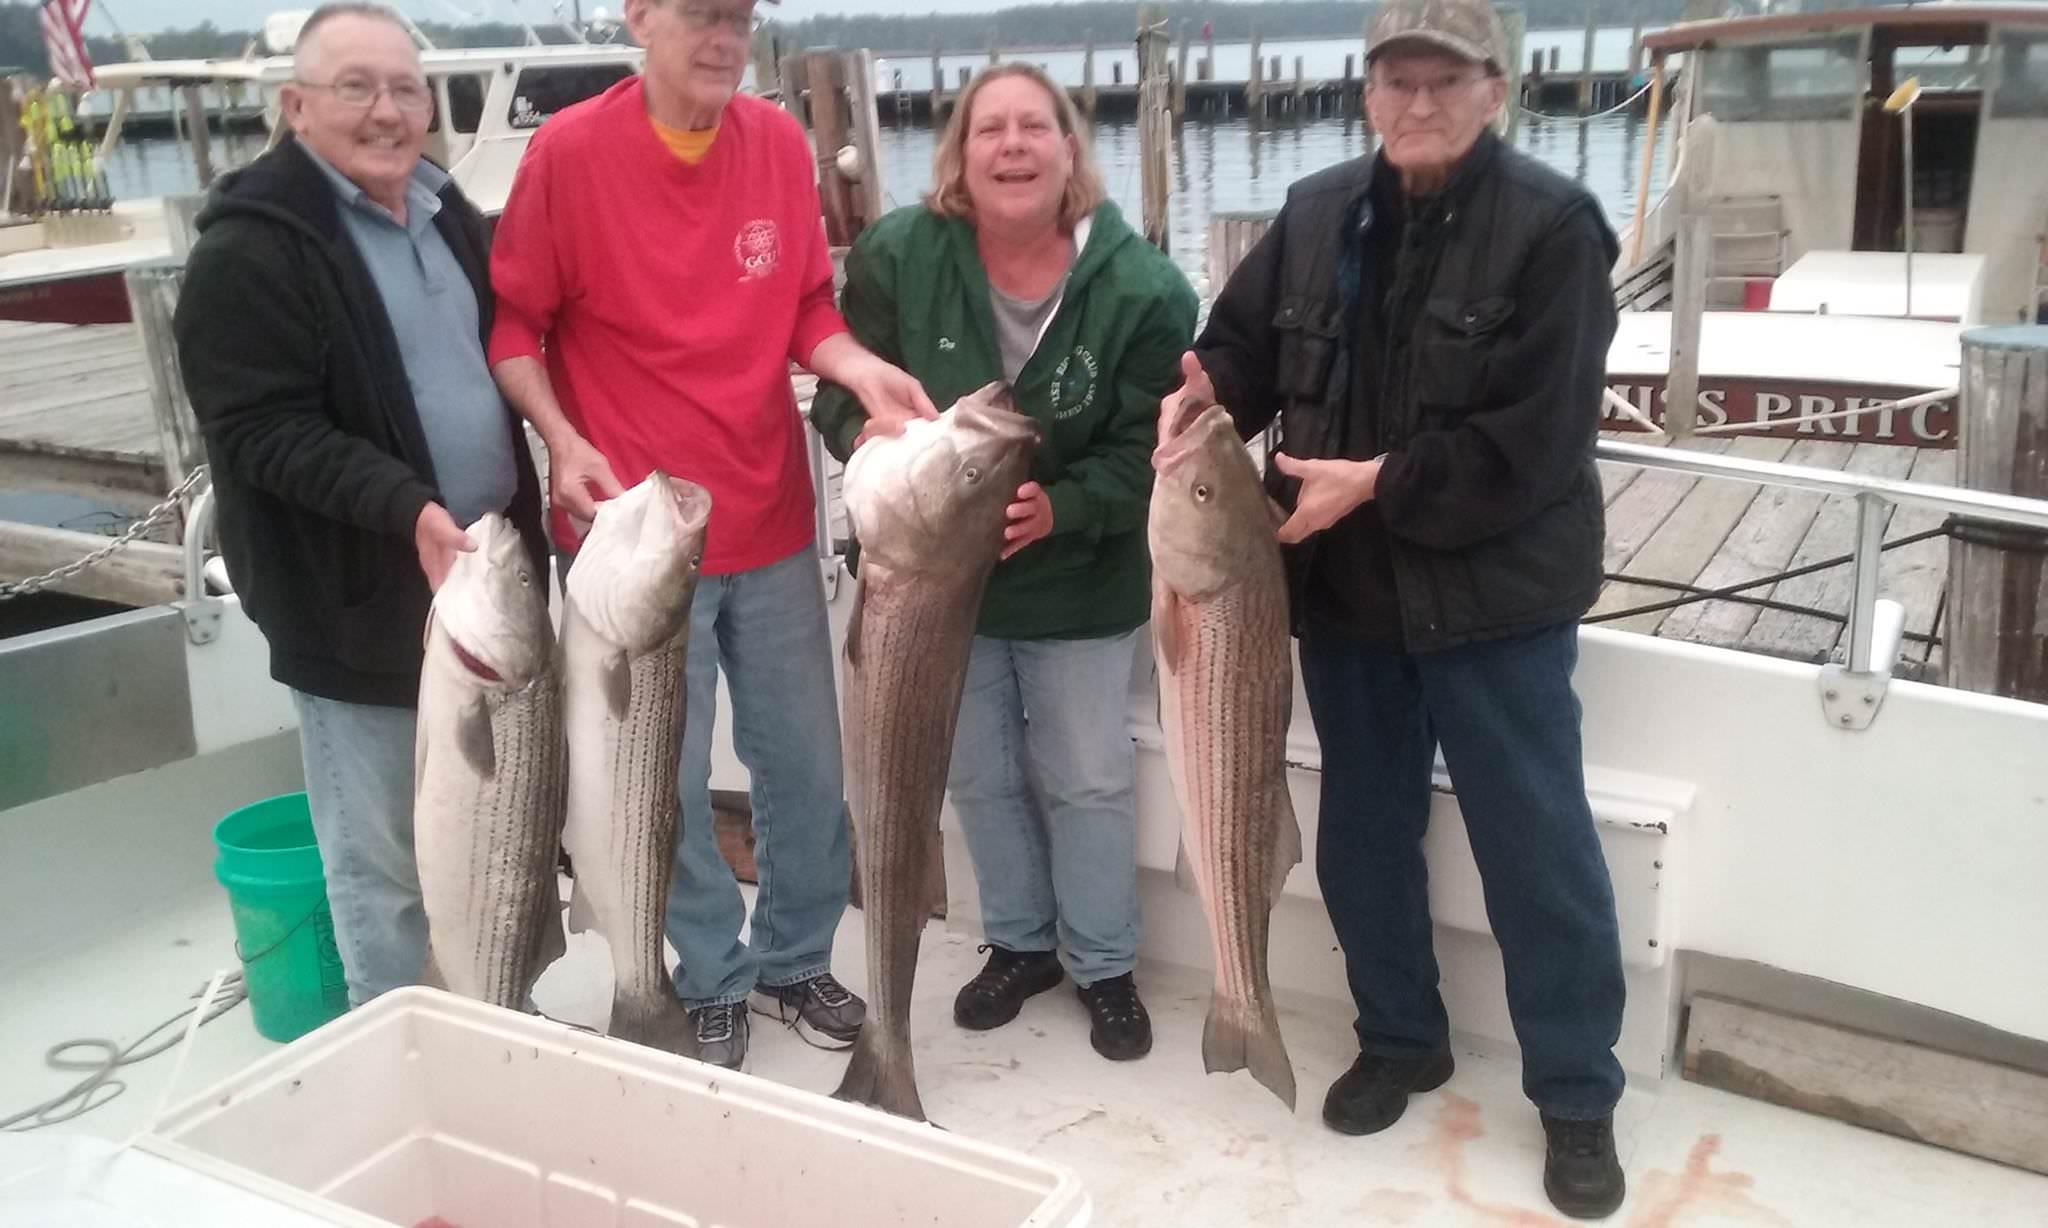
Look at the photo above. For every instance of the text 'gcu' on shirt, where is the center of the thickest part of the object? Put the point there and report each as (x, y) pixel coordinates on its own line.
(671, 299)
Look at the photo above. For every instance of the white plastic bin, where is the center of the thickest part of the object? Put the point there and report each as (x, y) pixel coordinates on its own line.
(425, 1105)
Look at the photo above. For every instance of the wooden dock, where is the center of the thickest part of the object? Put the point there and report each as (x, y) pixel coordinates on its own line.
(75, 420)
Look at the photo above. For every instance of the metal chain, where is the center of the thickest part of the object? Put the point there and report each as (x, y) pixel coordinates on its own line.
(150, 520)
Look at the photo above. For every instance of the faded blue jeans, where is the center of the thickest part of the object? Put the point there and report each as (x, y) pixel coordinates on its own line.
(359, 763)
(1044, 779)
(767, 630)
(1508, 721)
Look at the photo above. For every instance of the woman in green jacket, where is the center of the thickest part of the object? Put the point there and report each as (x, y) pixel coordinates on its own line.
(1016, 268)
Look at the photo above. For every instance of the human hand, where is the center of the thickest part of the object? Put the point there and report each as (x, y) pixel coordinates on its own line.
(890, 397)
(1030, 518)
(1330, 491)
(579, 476)
(438, 539)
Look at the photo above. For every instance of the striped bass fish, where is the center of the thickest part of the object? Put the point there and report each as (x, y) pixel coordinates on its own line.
(929, 507)
(625, 638)
(1226, 693)
(488, 773)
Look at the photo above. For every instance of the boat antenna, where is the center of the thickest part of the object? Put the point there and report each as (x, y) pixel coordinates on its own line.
(132, 43)
(1901, 104)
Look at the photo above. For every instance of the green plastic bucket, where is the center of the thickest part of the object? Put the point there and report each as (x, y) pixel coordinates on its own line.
(283, 932)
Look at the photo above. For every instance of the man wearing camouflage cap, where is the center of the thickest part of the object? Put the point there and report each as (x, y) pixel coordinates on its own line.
(1430, 328)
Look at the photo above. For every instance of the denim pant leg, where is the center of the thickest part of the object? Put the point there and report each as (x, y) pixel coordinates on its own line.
(1366, 701)
(1509, 723)
(705, 909)
(359, 780)
(991, 794)
(775, 645)
(1077, 696)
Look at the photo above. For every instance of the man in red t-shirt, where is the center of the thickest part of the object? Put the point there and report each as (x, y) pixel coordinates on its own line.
(660, 263)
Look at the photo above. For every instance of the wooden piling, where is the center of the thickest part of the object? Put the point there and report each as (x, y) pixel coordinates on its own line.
(1088, 95)
(841, 115)
(1180, 77)
(195, 120)
(1294, 103)
(938, 89)
(1635, 49)
(1586, 64)
(1155, 123)
(1514, 23)
(1255, 85)
(1231, 237)
(1998, 576)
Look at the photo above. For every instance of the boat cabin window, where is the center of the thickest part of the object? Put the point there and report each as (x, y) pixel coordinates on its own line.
(2021, 82)
(1819, 78)
(540, 92)
(465, 101)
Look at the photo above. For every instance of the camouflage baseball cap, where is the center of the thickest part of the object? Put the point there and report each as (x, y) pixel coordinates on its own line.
(1467, 28)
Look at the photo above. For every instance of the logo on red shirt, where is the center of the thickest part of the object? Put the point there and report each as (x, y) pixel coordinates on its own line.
(757, 247)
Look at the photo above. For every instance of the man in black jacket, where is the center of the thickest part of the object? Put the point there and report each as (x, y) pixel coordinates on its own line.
(331, 331)
(1430, 327)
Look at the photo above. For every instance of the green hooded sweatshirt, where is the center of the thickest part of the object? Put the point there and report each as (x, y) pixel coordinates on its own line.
(916, 294)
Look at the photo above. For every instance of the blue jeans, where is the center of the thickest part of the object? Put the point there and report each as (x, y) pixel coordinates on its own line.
(1050, 717)
(767, 628)
(1508, 721)
(359, 763)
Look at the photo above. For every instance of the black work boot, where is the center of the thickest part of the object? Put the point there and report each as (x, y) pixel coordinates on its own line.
(1373, 1094)
(1580, 1170)
(997, 992)
(1120, 1029)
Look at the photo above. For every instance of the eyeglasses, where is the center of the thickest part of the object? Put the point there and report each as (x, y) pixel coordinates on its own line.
(1403, 91)
(412, 97)
(742, 22)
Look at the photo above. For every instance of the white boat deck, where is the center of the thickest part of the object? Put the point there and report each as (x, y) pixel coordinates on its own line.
(1794, 348)
(1154, 1141)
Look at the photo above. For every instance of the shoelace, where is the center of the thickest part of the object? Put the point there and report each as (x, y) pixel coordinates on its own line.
(715, 1023)
(1117, 1000)
(1579, 1138)
(828, 991)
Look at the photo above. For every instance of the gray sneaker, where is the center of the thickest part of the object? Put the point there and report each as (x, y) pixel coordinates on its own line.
(823, 1012)
(722, 1034)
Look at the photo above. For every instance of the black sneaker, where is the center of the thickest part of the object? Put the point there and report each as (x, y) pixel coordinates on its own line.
(1581, 1173)
(722, 1034)
(1120, 1029)
(1373, 1094)
(821, 1010)
(997, 992)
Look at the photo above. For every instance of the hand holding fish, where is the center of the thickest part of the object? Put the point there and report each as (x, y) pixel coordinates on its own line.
(579, 476)
(888, 394)
(1030, 518)
(438, 539)
(1330, 491)
(1195, 387)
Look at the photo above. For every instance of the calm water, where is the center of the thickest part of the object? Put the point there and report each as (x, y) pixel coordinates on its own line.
(1218, 166)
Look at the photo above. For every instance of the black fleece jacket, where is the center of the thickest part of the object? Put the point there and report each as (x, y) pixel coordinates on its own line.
(319, 463)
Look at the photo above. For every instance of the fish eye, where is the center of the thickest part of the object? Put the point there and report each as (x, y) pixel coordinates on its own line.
(973, 474)
(525, 581)
(1201, 492)
(696, 560)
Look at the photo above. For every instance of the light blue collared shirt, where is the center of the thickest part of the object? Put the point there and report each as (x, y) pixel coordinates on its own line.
(433, 312)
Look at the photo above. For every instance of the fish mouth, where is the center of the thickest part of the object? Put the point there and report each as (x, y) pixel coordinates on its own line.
(1179, 437)
(474, 664)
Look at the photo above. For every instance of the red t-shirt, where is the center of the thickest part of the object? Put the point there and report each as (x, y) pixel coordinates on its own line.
(671, 300)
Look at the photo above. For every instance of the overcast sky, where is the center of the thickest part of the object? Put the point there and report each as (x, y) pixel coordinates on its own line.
(149, 16)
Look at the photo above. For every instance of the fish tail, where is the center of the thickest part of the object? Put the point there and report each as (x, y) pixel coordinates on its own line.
(659, 1022)
(1239, 1040)
(878, 1075)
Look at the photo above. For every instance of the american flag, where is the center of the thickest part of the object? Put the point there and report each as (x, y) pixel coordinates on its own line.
(64, 37)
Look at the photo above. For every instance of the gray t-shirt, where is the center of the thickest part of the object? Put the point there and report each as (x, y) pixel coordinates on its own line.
(1021, 322)
(433, 313)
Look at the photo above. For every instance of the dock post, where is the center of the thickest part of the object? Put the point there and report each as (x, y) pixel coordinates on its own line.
(195, 122)
(1088, 77)
(1586, 64)
(1180, 78)
(1998, 576)
(1255, 85)
(1155, 122)
(938, 89)
(1295, 101)
(1514, 23)
(153, 300)
(1635, 50)
(841, 117)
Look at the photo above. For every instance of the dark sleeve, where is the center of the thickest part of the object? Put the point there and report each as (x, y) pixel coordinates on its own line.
(253, 359)
(1106, 490)
(1496, 467)
(869, 304)
(1237, 345)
